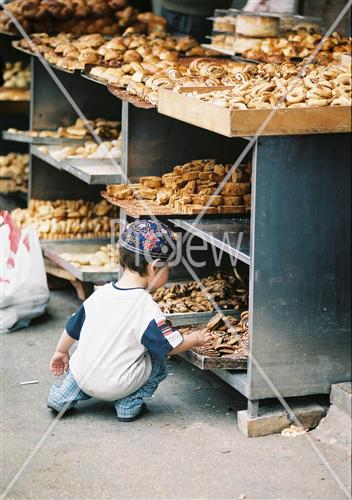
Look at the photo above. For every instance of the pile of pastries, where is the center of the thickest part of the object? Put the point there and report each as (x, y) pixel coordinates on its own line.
(73, 53)
(105, 129)
(230, 337)
(107, 257)
(16, 75)
(66, 219)
(144, 79)
(286, 85)
(90, 149)
(228, 291)
(14, 172)
(189, 187)
(297, 45)
(110, 17)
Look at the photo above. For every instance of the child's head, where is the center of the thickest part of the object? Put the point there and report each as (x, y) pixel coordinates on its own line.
(146, 248)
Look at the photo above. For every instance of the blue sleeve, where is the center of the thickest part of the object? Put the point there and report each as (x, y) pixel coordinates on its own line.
(75, 322)
(160, 338)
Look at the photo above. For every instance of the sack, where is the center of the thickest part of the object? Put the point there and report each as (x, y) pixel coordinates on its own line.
(24, 290)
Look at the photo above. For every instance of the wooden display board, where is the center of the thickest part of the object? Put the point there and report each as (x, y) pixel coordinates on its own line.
(244, 123)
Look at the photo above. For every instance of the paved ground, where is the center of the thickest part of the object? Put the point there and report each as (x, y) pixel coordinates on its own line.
(186, 447)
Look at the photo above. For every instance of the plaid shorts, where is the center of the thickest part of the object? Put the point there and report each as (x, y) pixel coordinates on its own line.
(67, 394)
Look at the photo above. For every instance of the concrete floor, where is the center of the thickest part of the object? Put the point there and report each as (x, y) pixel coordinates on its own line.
(187, 446)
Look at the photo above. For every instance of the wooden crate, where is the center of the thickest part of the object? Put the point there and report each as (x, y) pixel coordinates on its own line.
(244, 123)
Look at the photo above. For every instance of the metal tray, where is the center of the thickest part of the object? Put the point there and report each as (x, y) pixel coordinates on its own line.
(208, 363)
(30, 53)
(53, 249)
(91, 171)
(195, 318)
(94, 79)
(22, 136)
(212, 231)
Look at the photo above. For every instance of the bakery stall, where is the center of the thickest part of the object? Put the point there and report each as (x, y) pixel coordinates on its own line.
(67, 172)
(280, 219)
(14, 112)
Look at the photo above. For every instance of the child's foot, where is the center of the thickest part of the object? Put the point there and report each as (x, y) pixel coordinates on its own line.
(131, 419)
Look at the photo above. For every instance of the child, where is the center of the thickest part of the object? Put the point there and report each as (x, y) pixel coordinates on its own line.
(123, 335)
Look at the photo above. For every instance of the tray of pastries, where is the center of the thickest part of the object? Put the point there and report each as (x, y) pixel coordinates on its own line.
(71, 53)
(95, 261)
(228, 291)
(308, 98)
(296, 46)
(228, 349)
(105, 129)
(89, 152)
(142, 80)
(110, 17)
(14, 173)
(66, 219)
(187, 190)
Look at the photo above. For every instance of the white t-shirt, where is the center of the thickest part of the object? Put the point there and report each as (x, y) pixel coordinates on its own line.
(118, 332)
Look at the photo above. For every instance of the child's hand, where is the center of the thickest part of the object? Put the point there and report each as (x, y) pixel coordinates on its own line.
(203, 337)
(59, 363)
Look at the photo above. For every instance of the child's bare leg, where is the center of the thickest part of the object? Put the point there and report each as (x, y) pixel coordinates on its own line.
(130, 407)
(67, 394)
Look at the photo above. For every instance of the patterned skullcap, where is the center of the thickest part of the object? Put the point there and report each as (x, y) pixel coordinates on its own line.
(148, 238)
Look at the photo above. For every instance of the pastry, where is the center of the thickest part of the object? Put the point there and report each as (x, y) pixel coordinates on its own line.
(257, 26)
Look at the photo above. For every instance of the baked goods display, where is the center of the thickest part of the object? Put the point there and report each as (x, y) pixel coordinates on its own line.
(109, 17)
(70, 52)
(105, 129)
(230, 336)
(16, 75)
(295, 45)
(90, 149)
(287, 85)
(227, 291)
(66, 219)
(144, 80)
(106, 258)
(189, 188)
(257, 26)
(14, 172)
(226, 24)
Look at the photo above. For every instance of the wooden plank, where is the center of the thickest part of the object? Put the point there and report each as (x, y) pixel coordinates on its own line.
(244, 123)
(209, 363)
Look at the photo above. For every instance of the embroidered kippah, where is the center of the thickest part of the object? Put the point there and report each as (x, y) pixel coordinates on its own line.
(146, 237)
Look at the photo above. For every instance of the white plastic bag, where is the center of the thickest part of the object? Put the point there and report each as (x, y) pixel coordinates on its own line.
(24, 290)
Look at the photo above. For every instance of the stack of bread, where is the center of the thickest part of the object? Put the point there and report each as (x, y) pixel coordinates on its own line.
(14, 172)
(110, 17)
(230, 337)
(190, 187)
(287, 85)
(106, 258)
(17, 78)
(227, 291)
(17, 75)
(66, 219)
